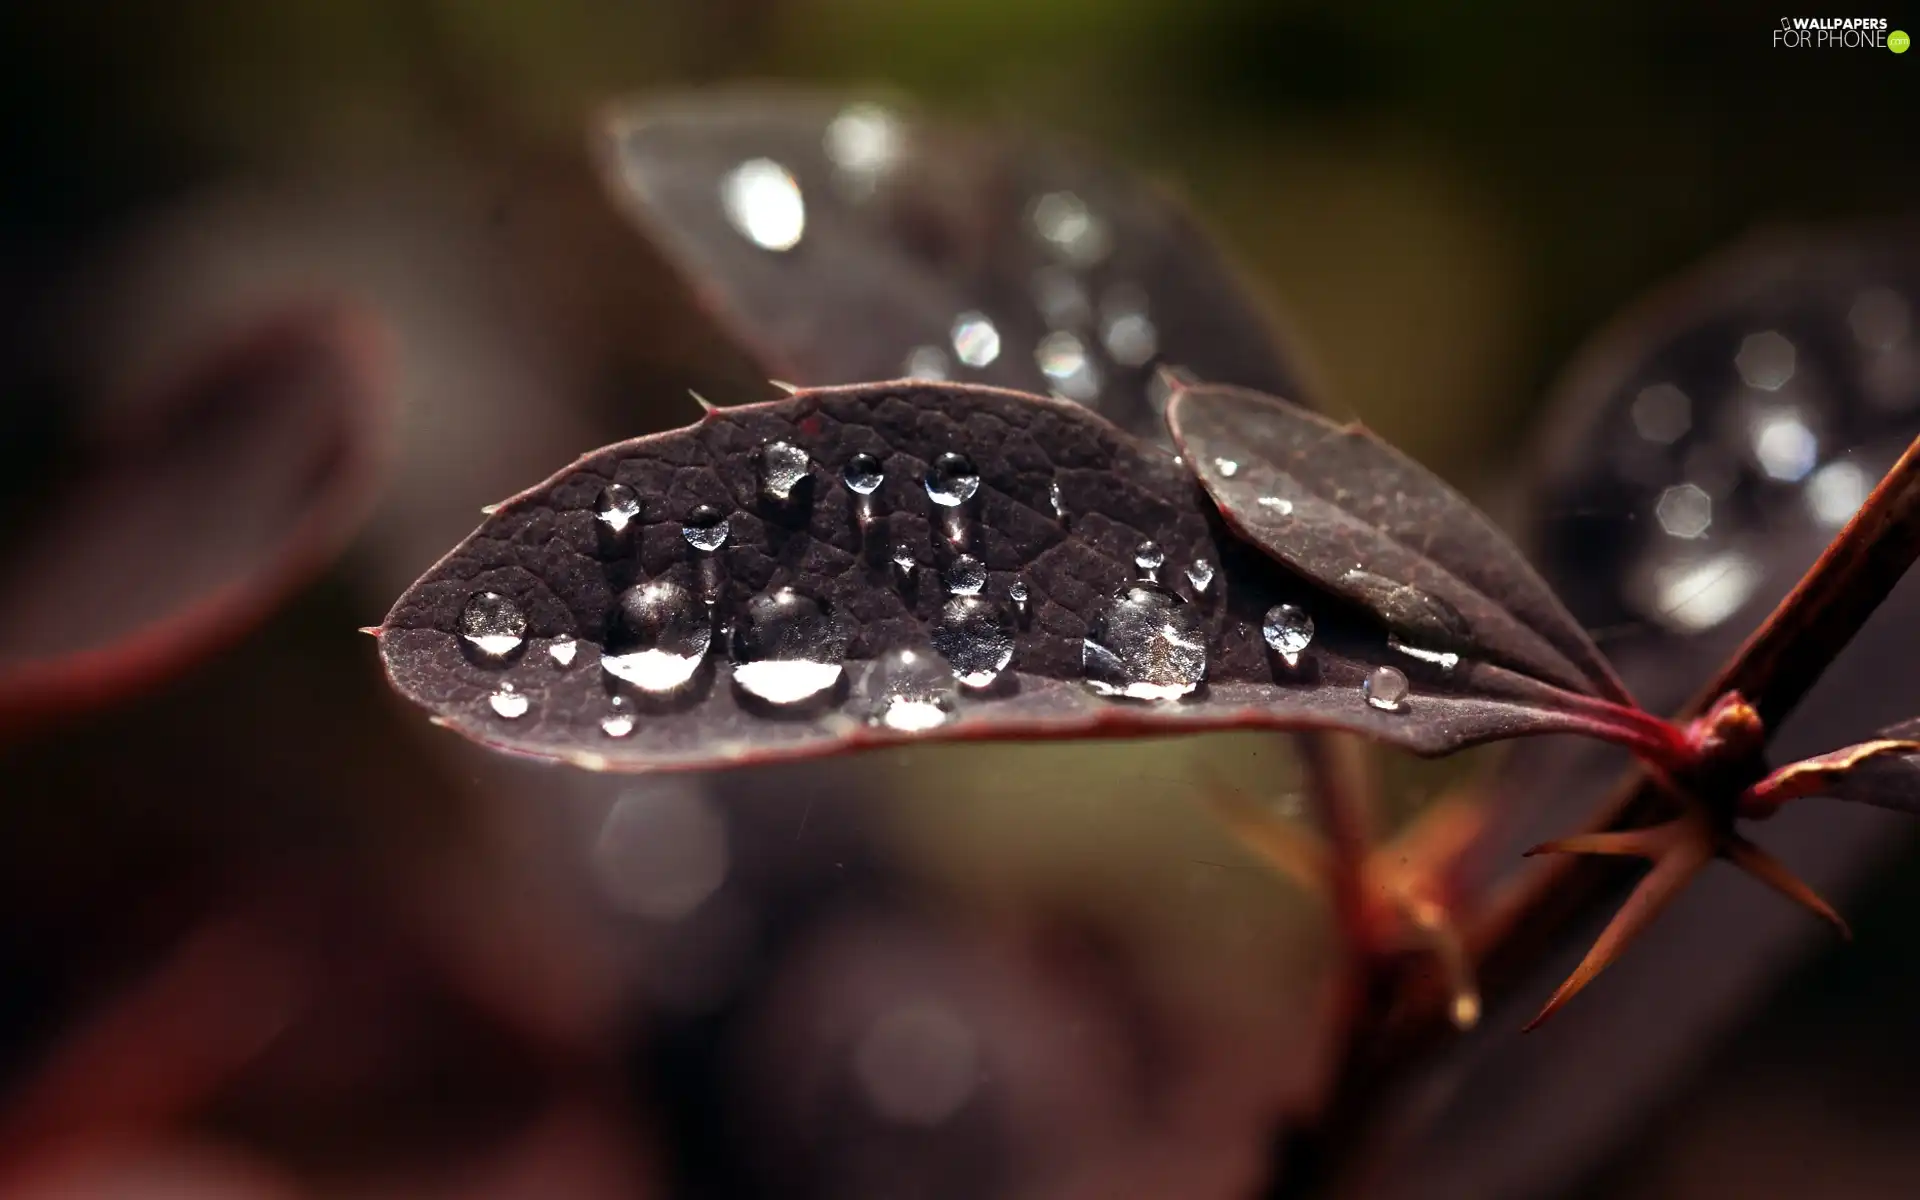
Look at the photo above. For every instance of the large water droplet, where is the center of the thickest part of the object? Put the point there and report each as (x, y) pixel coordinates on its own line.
(562, 650)
(493, 624)
(975, 634)
(616, 507)
(910, 691)
(1386, 689)
(788, 647)
(619, 722)
(965, 576)
(1288, 628)
(1200, 575)
(1146, 643)
(508, 703)
(952, 481)
(864, 474)
(1148, 556)
(659, 637)
(706, 528)
(763, 202)
(783, 467)
(975, 340)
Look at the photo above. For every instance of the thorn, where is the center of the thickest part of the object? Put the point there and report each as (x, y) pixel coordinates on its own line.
(1634, 843)
(373, 630)
(1689, 846)
(706, 405)
(783, 385)
(1749, 857)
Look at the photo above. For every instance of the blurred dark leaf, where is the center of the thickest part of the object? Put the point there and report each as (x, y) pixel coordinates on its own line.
(845, 241)
(1350, 512)
(191, 512)
(571, 624)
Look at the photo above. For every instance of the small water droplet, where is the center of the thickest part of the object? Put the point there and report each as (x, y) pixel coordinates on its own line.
(1200, 575)
(659, 637)
(493, 624)
(975, 635)
(616, 507)
(788, 647)
(951, 480)
(1226, 466)
(975, 340)
(783, 467)
(909, 691)
(1386, 689)
(864, 474)
(863, 141)
(562, 650)
(1446, 660)
(1059, 504)
(508, 703)
(965, 576)
(903, 561)
(763, 202)
(619, 722)
(1146, 643)
(706, 528)
(1277, 505)
(1148, 557)
(1017, 592)
(1288, 628)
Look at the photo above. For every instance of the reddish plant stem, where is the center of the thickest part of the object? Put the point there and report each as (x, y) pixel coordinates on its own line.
(1774, 670)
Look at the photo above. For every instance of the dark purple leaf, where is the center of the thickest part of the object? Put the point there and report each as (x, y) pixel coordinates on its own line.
(1884, 772)
(190, 512)
(845, 241)
(1350, 512)
(570, 625)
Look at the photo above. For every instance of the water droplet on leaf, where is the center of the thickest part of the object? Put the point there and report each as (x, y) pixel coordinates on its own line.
(616, 507)
(966, 576)
(1386, 689)
(1200, 574)
(706, 529)
(562, 650)
(659, 638)
(909, 691)
(864, 474)
(508, 703)
(788, 647)
(1146, 643)
(951, 480)
(783, 467)
(1288, 628)
(1148, 556)
(493, 624)
(976, 636)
